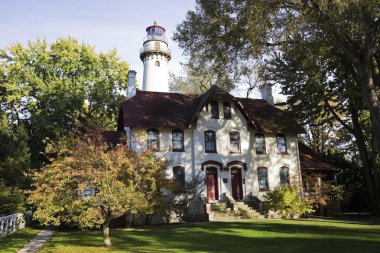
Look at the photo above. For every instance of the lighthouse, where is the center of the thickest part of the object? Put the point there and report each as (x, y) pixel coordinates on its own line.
(155, 56)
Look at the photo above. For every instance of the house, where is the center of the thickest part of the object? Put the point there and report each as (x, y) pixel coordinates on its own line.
(242, 147)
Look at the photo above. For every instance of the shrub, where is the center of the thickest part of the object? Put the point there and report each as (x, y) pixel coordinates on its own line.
(287, 202)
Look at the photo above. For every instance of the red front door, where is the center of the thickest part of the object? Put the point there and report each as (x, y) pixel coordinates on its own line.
(236, 184)
(212, 184)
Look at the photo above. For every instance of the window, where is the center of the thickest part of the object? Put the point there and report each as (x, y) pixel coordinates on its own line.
(284, 176)
(263, 178)
(227, 110)
(177, 138)
(281, 143)
(179, 175)
(214, 110)
(153, 139)
(210, 142)
(260, 144)
(157, 63)
(235, 142)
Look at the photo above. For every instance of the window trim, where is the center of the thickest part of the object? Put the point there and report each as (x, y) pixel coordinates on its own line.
(287, 183)
(238, 151)
(182, 141)
(266, 178)
(155, 130)
(229, 114)
(265, 149)
(214, 104)
(286, 145)
(214, 133)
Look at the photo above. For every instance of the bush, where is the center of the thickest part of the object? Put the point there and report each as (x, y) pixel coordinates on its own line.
(287, 202)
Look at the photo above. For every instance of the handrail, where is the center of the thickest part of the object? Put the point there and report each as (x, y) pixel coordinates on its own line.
(11, 223)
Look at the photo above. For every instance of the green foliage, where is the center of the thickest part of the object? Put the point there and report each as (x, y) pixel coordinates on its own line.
(287, 202)
(14, 154)
(57, 87)
(117, 180)
(325, 54)
(11, 200)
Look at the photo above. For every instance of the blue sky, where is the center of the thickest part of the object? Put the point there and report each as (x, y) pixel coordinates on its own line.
(106, 24)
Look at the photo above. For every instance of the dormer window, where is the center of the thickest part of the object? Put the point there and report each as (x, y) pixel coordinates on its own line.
(227, 110)
(214, 110)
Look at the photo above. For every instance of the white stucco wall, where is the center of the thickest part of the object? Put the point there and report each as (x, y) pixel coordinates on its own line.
(272, 160)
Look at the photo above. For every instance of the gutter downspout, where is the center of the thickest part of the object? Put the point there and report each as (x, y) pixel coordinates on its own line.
(192, 153)
(299, 169)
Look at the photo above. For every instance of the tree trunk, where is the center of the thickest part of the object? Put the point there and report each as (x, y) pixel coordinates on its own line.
(106, 233)
(373, 191)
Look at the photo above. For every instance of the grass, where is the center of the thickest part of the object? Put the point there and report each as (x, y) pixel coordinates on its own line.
(17, 240)
(246, 236)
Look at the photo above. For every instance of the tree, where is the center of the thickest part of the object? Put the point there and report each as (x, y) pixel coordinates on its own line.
(184, 194)
(12, 200)
(234, 34)
(53, 88)
(91, 183)
(14, 154)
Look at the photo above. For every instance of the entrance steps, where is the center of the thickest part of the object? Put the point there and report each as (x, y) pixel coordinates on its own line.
(240, 211)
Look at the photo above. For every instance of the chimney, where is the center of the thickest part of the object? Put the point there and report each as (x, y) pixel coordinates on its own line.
(266, 93)
(131, 89)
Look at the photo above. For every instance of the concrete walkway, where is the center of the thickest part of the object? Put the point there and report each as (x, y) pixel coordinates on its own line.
(37, 243)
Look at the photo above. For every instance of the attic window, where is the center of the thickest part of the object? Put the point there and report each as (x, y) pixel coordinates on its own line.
(214, 110)
(227, 110)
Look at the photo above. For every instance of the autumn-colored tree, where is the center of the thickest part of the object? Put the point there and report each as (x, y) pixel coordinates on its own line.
(91, 183)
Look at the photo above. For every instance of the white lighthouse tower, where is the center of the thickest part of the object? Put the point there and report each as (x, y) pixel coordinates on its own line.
(155, 55)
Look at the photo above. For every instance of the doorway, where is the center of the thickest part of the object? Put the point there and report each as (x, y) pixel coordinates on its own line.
(212, 184)
(236, 184)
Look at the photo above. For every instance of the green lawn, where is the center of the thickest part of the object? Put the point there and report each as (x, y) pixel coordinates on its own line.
(246, 236)
(17, 240)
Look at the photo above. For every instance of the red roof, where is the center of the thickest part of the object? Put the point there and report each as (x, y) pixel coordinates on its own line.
(311, 160)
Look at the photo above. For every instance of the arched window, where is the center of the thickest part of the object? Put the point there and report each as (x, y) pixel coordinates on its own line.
(178, 140)
(284, 176)
(281, 143)
(262, 173)
(179, 175)
(235, 142)
(157, 63)
(214, 110)
(153, 139)
(210, 141)
(260, 143)
(227, 110)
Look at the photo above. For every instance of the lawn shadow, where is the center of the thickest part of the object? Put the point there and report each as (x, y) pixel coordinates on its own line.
(252, 236)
